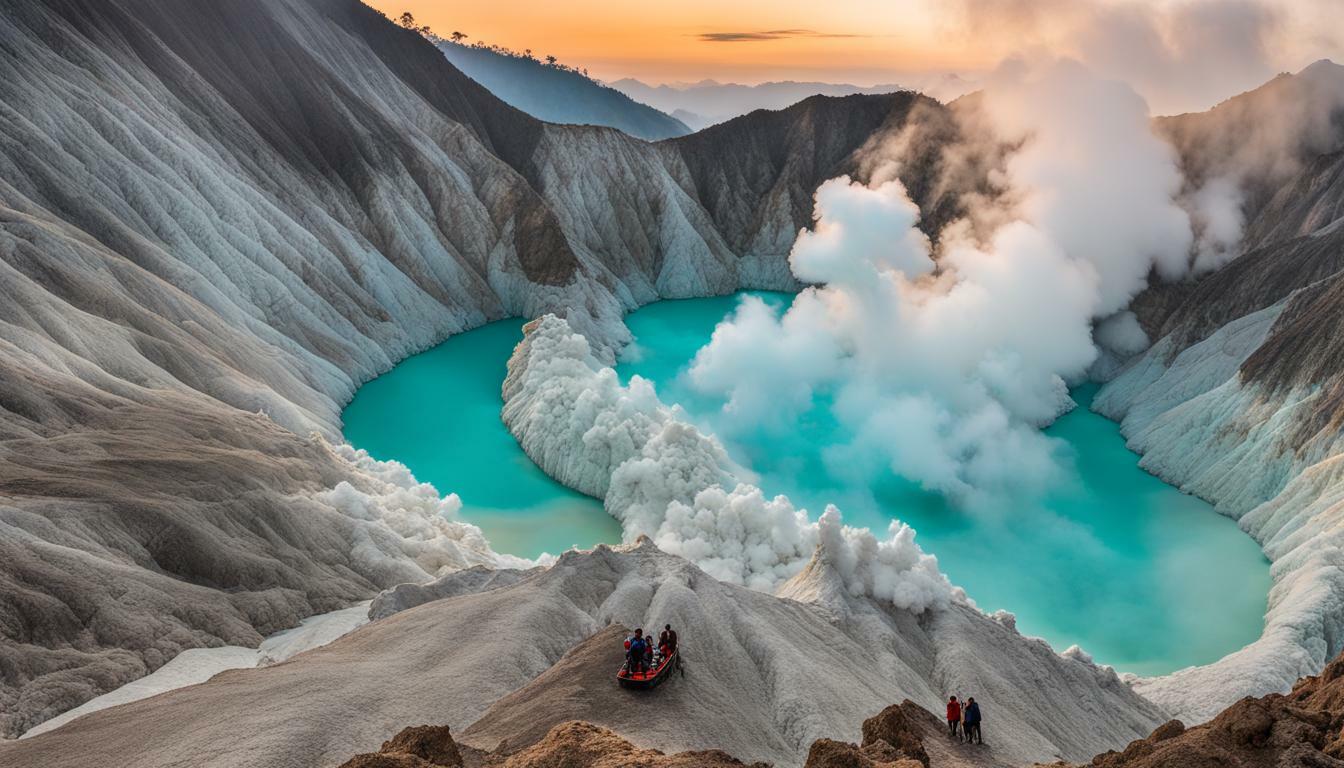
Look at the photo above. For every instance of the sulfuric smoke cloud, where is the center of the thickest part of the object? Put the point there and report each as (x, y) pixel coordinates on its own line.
(663, 478)
(945, 374)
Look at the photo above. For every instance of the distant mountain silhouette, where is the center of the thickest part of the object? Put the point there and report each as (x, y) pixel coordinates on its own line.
(559, 95)
(709, 102)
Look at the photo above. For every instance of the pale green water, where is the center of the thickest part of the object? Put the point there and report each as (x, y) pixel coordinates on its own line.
(1142, 576)
(438, 413)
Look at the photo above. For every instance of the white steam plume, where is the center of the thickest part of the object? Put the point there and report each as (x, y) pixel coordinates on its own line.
(662, 478)
(1186, 56)
(945, 376)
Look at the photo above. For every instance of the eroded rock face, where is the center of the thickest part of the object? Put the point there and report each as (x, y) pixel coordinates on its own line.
(893, 738)
(902, 727)
(416, 747)
(568, 745)
(1299, 730)
(1239, 399)
(583, 745)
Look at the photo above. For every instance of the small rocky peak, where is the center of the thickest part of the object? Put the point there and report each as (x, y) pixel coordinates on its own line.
(420, 746)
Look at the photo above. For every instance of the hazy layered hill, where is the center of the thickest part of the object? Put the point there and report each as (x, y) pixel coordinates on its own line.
(559, 95)
(708, 102)
(216, 221)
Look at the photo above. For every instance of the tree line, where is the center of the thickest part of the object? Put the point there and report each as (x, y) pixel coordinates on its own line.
(407, 20)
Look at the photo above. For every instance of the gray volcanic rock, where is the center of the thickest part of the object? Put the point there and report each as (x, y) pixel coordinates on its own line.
(466, 581)
(756, 175)
(216, 220)
(1238, 400)
(766, 676)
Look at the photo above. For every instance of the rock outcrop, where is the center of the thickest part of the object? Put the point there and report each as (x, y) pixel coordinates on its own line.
(420, 746)
(893, 738)
(765, 677)
(1297, 730)
(573, 744)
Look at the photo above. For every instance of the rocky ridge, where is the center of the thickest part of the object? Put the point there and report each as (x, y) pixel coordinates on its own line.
(1236, 400)
(765, 676)
(1297, 730)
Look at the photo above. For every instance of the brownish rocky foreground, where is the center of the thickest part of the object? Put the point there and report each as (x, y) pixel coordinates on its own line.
(1299, 730)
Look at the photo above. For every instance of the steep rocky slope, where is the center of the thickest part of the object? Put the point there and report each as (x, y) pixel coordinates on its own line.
(766, 676)
(216, 220)
(1297, 730)
(1237, 400)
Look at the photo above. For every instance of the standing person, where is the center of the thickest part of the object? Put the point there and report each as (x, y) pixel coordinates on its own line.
(972, 728)
(668, 638)
(953, 717)
(636, 648)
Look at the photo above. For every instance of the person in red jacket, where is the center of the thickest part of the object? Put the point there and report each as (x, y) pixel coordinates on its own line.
(953, 716)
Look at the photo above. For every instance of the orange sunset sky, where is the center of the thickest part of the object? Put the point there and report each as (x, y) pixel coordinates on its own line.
(871, 41)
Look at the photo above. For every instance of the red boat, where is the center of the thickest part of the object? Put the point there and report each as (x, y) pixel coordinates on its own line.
(651, 677)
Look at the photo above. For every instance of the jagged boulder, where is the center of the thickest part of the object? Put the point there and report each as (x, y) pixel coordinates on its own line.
(584, 745)
(573, 744)
(901, 726)
(828, 753)
(420, 746)
(1299, 730)
(893, 738)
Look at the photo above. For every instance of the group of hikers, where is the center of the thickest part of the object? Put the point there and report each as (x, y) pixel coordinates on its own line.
(963, 721)
(642, 654)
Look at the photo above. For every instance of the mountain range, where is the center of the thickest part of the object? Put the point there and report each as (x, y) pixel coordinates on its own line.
(558, 95)
(708, 102)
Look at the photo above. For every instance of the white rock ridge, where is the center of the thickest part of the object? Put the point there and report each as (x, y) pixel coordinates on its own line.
(1201, 427)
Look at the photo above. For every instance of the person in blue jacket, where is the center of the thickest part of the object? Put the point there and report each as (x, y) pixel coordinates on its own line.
(636, 652)
(972, 725)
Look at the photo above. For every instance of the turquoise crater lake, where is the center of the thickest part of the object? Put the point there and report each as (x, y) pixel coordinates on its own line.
(1139, 574)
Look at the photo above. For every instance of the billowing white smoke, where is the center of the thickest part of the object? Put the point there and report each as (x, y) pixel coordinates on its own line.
(402, 530)
(945, 375)
(1186, 56)
(1215, 210)
(662, 478)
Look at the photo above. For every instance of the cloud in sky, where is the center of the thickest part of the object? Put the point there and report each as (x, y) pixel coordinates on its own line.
(770, 34)
(1180, 55)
